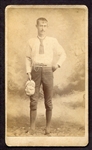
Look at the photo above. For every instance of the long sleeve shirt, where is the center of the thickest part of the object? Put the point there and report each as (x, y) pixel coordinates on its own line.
(50, 45)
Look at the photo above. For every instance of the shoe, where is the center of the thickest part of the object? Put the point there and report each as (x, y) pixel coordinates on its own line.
(32, 132)
(47, 132)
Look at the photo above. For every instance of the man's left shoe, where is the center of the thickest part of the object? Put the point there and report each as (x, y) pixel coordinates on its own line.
(47, 132)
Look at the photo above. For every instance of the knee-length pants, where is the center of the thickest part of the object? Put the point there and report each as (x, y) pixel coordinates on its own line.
(44, 76)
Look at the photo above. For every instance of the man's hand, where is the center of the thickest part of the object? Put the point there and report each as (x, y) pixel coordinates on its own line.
(29, 75)
(55, 67)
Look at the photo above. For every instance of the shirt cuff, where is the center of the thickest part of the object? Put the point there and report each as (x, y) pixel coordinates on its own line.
(58, 65)
(28, 70)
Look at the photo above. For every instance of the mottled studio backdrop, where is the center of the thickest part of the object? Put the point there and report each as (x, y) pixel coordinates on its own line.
(68, 25)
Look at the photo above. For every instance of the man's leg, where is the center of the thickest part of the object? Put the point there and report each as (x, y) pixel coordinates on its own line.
(48, 121)
(36, 76)
(33, 111)
(48, 93)
(33, 114)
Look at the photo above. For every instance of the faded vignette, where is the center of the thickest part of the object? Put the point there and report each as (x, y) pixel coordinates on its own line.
(69, 24)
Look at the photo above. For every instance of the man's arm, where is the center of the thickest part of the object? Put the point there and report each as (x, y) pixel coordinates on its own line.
(29, 75)
(61, 53)
(28, 62)
(62, 58)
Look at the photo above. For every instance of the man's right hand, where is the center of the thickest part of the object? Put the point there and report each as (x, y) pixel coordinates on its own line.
(29, 75)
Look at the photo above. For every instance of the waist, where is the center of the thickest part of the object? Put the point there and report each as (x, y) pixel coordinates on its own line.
(42, 65)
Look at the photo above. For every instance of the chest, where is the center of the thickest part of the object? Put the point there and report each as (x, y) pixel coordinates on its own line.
(48, 46)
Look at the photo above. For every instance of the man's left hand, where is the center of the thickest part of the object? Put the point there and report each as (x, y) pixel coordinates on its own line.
(55, 67)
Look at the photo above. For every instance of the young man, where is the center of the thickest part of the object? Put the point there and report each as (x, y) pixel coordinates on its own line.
(39, 68)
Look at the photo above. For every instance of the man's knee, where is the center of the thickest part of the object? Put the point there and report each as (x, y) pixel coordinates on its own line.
(48, 106)
(33, 105)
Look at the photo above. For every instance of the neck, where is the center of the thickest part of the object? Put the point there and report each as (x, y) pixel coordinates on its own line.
(41, 36)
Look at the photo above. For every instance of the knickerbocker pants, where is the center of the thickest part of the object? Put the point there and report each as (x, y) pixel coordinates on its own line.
(44, 76)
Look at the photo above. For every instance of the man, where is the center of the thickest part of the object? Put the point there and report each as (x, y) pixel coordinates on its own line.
(39, 68)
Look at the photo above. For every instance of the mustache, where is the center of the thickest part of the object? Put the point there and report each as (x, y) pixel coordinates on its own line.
(42, 30)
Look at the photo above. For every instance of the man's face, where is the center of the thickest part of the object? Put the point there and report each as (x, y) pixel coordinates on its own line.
(42, 27)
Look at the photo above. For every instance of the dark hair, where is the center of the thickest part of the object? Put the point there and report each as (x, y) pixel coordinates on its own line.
(42, 19)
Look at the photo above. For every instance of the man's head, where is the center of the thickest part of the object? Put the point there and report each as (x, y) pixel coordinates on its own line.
(41, 25)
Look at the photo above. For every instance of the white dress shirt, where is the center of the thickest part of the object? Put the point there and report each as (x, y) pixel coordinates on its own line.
(50, 44)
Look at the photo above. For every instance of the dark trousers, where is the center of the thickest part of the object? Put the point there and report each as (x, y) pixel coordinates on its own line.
(44, 76)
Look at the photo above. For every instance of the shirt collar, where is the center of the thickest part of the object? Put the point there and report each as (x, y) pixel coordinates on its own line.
(41, 38)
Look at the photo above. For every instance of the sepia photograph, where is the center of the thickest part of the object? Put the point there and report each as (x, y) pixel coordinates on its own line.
(46, 75)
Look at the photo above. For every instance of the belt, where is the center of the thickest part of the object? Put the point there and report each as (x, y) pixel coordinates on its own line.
(42, 65)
